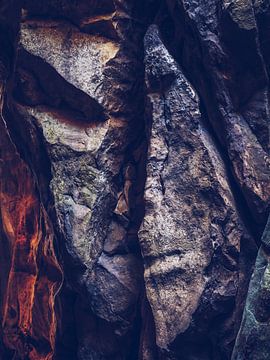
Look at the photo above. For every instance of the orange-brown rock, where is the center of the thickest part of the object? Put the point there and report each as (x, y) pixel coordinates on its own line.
(31, 275)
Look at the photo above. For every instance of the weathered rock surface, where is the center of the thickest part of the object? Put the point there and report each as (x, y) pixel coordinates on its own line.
(227, 66)
(88, 155)
(252, 340)
(134, 179)
(191, 236)
(31, 275)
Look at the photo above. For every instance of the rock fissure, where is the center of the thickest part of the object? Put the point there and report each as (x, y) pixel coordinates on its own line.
(134, 180)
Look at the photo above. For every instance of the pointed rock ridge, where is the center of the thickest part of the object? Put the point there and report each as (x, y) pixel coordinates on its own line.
(253, 338)
(191, 234)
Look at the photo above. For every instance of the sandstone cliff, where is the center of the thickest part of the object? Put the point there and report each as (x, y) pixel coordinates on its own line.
(134, 180)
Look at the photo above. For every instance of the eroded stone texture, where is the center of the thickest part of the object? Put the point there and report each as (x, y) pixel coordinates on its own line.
(225, 61)
(93, 170)
(192, 234)
(31, 276)
(30, 273)
(85, 121)
(253, 338)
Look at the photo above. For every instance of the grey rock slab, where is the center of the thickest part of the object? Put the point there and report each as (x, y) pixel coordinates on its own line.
(79, 58)
(190, 212)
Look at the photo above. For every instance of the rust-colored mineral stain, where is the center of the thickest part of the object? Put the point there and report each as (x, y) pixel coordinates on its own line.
(28, 315)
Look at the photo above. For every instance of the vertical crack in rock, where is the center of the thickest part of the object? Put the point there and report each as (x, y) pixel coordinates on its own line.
(134, 179)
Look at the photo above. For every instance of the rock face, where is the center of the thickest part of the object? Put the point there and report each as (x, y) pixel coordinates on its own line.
(252, 340)
(192, 235)
(134, 180)
(31, 275)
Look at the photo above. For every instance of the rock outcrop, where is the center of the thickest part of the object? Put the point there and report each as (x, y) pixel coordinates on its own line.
(192, 234)
(134, 179)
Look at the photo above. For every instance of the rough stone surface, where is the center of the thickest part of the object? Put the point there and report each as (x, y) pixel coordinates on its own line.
(88, 160)
(232, 80)
(134, 179)
(252, 341)
(191, 234)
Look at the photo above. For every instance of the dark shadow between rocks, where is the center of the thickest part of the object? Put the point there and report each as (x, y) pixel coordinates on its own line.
(38, 83)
